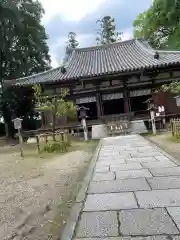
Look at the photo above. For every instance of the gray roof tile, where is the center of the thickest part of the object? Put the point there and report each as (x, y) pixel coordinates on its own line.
(131, 55)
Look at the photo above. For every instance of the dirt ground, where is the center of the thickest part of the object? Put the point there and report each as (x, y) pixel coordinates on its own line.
(36, 193)
(165, 142)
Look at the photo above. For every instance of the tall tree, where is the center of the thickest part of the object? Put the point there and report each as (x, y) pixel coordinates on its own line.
(23, 48)
(107, 32)
(72, 42)
(160, 24)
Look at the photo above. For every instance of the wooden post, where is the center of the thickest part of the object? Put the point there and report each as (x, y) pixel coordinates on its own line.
(126, 101)
(98, 104)
(20, 142)
(37, 143)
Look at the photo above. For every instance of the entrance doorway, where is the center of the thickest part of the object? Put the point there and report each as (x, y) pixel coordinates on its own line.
(112, 107)
(138, 103)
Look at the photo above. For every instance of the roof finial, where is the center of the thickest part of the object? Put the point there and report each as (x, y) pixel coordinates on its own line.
(156, 55)
(63, 69)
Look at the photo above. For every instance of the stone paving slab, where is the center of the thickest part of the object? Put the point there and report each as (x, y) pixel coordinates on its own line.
(141, 159)
(175, 214)
(161, 172)
(126, 166)
(103, 176)
(146, 222)
(147, 149)
(108, 238)
(125, 185)
(134, 238)
(98, 224)
(162, 158)
(159, 164)
(164, 182)
(110, 201)
(112, 161)
(133, 174)
(147, 154)
(158, 198)
(101, 169)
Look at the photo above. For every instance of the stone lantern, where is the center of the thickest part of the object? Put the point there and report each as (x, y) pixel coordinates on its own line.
(83, 113)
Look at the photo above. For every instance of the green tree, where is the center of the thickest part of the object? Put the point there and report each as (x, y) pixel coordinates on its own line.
(160, 24)
(72, 42)
(107, 32)
(57, 105)
(23, 48)
(173, 87)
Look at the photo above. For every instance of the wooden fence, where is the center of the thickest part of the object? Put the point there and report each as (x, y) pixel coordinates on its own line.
(175, 127)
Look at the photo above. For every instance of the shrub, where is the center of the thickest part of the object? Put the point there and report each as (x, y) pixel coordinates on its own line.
(56, 147)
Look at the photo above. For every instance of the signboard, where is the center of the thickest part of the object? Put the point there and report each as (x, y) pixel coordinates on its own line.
(17, 123)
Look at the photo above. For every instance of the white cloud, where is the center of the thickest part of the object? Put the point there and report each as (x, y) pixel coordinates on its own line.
(54, 62)
(127, 34)
(70, 10)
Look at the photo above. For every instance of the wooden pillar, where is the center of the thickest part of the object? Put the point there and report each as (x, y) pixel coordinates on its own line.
(43, 121)
(127, 104)
(99, 105)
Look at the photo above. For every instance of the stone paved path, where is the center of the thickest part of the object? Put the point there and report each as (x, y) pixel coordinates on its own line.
(134, 194)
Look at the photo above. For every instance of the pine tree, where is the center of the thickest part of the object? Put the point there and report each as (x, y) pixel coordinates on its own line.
(107, 32)
(72, 42)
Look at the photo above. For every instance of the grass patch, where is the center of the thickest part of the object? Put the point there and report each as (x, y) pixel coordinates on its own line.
(173, 139)
(30, 149)
(151, 134)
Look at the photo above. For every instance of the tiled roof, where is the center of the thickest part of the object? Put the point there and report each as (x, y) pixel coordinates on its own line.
(121, 57)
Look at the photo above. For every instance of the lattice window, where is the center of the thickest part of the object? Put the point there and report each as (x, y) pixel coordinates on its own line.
(138, 93)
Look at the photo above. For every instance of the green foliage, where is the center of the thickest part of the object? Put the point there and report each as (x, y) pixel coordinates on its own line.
(107, 32)
(72, 42)
(23, 51)
(56, 147)
(56, 104)
(173, 87)
(160, 24)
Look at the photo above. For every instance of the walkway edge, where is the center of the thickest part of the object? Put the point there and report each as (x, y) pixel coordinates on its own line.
(69, 229)
(162, 150)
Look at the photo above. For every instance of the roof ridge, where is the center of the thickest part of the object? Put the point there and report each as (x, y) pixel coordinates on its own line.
(151, 50)
(104, 45)
(168, 51)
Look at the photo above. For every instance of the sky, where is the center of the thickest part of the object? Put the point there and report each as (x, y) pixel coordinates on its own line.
(80, 16)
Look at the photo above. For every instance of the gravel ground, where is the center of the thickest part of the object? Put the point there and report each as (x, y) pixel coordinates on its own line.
(36, 194)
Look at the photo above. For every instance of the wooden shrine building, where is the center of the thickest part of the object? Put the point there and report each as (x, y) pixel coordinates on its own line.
(112, 80)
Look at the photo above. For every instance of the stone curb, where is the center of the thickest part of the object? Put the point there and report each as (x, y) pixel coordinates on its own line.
(69, 229)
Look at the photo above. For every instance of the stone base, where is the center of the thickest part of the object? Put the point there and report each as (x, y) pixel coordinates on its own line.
(99, 131)
(138, 127)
